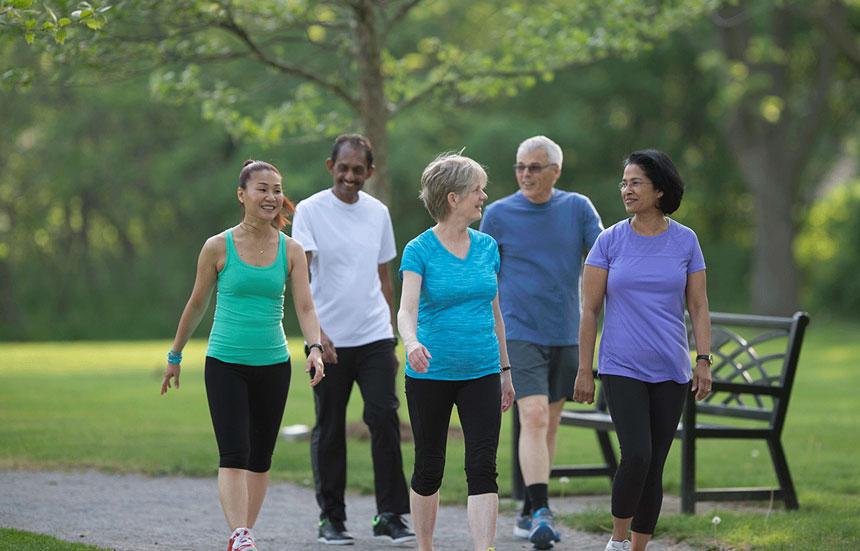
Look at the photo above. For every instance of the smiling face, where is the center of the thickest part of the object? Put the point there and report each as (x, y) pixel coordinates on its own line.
(470, 204)
(349, 171)
(262, 196)
(537, 176)
(638, 192)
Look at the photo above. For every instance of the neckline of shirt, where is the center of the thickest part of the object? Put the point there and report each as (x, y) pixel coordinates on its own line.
(629, 223)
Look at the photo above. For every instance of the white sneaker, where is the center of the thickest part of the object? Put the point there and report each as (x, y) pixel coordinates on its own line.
(617, 545)
(243, 540)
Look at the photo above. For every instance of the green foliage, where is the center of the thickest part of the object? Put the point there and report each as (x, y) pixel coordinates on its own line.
(826, 251)
(27, 541)
(38, 22)
(312, 51)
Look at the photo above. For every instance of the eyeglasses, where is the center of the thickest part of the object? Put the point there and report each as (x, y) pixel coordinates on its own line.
(635, 184)
(533, 168)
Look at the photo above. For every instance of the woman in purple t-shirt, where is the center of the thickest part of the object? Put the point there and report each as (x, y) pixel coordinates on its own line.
(647, 269)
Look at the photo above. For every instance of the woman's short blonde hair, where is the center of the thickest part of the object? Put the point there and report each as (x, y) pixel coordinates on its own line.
(448, 173)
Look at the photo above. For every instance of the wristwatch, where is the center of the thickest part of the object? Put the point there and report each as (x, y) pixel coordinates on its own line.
(705, 357)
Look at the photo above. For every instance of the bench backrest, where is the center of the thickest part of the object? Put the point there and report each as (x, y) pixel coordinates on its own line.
(753, 350)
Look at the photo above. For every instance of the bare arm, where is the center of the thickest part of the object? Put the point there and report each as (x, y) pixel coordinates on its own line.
(388, 292)
(329, 354)
(207, 275)
(593, 293)
(407, 322)
(305, 310)
(508, 393)
(700, 317)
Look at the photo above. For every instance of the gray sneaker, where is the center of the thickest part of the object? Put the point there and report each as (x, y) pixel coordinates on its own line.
(523, 527)
(333, 532)
(390, 526)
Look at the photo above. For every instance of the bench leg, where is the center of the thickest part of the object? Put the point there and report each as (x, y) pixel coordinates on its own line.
(688, 459)
(780, 465)
(608, 452)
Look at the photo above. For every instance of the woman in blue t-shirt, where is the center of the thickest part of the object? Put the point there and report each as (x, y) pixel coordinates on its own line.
(454, 337)
(646, 268)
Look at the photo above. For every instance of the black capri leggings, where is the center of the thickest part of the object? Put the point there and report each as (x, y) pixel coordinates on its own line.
(246, 404)
(479, 406)
(645, 416)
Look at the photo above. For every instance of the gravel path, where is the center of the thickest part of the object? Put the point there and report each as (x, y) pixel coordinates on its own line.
(135, 513)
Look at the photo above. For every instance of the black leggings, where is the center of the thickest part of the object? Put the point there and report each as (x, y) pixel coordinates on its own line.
(645, 417)
(246, 404)
(479, 406)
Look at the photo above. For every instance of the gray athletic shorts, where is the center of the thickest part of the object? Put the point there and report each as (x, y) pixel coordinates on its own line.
(543, 370)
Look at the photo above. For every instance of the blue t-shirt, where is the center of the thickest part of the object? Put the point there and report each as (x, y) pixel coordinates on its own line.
(644, 336)
(455, 309)
(542, 246)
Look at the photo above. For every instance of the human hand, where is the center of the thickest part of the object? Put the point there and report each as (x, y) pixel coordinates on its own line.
(315, 365)
(508, 393)
(329, 352)
(172, 372)
(419, 357)
(583, 387)
(701, 381)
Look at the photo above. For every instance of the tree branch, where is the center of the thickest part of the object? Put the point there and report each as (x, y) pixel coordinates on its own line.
(401, 12)
(833, 21)
(232, 27)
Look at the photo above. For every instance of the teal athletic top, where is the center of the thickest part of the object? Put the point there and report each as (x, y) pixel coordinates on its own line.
(455, 308)
(249, 310)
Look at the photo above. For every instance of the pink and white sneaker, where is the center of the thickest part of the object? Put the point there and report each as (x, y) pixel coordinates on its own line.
(242, 540)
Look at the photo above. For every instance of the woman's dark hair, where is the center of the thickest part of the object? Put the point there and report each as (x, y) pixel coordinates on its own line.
(287, 207)
(356, 141)
(662, 172)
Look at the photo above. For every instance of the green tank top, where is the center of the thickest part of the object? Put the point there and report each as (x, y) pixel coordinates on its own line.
(249, 310)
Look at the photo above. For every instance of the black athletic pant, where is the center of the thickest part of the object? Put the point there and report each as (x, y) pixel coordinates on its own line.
(246, 403)
(645, 417)
(479, 406)
(373, 367)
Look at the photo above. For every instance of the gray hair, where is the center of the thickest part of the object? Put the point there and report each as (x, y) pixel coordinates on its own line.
(553, 151)
(448, 173)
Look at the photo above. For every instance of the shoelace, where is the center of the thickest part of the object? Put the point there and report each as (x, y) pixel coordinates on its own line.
(244, 542)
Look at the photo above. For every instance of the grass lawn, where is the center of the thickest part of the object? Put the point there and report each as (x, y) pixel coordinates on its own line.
(96, 405)
(27, 541)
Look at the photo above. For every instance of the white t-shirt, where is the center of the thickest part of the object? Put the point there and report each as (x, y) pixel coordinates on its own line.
(348, 242)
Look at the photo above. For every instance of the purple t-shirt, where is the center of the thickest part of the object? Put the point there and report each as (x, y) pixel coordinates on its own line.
(644, 335)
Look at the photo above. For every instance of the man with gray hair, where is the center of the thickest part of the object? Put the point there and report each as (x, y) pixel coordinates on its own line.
(543, 235)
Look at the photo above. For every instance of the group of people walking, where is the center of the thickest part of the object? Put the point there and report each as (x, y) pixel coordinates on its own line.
(486, 317)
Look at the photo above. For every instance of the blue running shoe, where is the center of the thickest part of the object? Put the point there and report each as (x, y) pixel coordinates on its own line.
(523, 527)
(543, 533)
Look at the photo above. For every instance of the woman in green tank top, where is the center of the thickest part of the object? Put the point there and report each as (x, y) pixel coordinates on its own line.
(247, 362)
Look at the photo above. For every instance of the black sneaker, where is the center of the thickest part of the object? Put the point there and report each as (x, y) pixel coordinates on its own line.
(333, 532)
(392, 527)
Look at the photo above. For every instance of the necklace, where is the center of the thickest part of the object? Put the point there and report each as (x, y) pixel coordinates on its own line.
(252, 230)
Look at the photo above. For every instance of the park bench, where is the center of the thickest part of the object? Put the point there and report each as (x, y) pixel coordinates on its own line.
(755, 360)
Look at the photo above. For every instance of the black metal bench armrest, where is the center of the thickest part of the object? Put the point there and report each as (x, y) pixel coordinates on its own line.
(746, 388)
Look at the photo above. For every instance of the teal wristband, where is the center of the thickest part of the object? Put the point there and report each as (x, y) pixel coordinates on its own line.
(174, 358)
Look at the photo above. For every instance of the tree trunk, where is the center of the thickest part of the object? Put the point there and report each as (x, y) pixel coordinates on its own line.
(774, 286)
(374, 113)
(773, 154)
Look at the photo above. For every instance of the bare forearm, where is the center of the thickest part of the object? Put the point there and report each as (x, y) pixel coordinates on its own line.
(587, 340)
(308, 322)
(407, 326)
(700, 317)
(188, 322)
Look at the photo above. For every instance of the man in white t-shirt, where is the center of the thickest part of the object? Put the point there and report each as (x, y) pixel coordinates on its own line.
(348, 238)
